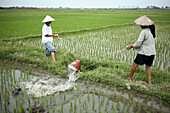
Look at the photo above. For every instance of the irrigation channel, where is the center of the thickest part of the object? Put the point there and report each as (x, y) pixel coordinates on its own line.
(82, 96)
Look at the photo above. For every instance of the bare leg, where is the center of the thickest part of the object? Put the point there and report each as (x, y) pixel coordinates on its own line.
(148, 70)
(53, 57)
(133, 69)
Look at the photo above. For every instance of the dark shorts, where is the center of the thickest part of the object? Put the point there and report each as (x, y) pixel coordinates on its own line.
(143, 59)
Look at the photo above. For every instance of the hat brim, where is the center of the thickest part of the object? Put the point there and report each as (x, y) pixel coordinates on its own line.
(48, 19)
(143, 21)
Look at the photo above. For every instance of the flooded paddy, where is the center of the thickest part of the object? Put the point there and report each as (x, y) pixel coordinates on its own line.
(83, 96)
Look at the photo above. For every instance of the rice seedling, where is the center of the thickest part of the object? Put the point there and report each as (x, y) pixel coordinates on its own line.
(100, 111)
(42, 102)
(80, 97)
(93, 100)
(22, 108)
(87, 83)
(54, 99)
(64, 95)
(100, 102)
(62, 106)
(75, 103)
(153, 110)
(71, 105)
(88, 95)
(14, 110)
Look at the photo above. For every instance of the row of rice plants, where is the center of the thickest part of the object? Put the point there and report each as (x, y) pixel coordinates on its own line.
(85, 99)
(111, 45)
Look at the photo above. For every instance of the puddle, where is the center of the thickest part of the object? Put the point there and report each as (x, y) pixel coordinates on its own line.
(59, 96)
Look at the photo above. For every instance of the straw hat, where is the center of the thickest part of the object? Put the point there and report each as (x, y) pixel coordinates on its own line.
(143, 21)
(48, 19)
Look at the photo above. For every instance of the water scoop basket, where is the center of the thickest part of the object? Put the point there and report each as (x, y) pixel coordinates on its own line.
(74, 70)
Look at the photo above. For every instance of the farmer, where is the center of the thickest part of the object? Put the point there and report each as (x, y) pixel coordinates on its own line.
(145, 46)
(47, 37)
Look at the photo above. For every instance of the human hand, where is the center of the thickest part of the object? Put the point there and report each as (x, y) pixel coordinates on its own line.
(57, 38)
(55, 35)
(129, 47)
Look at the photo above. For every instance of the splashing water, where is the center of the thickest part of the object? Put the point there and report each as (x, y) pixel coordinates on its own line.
(42, 86)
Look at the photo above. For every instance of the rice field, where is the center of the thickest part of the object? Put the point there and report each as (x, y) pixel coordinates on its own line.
(84, 97)
(99, 40)
(110, 44)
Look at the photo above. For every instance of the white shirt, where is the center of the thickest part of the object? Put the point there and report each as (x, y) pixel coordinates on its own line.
(46, 30)
(145, 43)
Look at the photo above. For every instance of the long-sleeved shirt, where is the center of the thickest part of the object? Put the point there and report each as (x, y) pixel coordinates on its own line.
(146, 42)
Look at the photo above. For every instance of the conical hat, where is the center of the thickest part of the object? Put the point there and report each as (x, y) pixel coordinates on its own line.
(48, 19)
(143, 21)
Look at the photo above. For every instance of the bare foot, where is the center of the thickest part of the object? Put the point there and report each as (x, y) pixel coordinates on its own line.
(129, 79)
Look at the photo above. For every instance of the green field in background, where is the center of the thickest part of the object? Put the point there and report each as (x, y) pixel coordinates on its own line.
(19, 23)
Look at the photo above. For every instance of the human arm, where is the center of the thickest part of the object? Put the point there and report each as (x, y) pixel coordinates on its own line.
(53, 35)
(140, 40)
(138, 43)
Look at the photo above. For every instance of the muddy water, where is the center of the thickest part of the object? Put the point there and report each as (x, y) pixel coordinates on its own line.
(45, 85)
(84, 97)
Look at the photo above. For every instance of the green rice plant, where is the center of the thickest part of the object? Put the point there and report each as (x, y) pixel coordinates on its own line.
(88, 94)
(82, 84)
(100, 104)
(22, 108)
(87, 108)
(118, 105)
(108, 97)
(75, 103)
(46, 101)
(80, 97)
(42, 102)
(28, 99)
(106, 107)
(0, 99)
(107, 87)
(16, 102)
(14, 110)
(50, 99)
(134, 104)
(87, 83)
(95, 109)
(100, 111)
(62, 106)
(146, 108)
(54, 99)
(5, 106)
(85, 101)
(139, 108)
(64, 95)
(50, 110)
(103, 94)
(113, 107)
(71, 106)
(124, 100)
(162, 111)
(102, 98)
(93, 100)
(117, 98)
(153, 110)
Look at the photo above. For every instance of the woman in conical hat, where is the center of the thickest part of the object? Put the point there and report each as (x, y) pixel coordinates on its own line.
(145, 46)
(47, 37)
